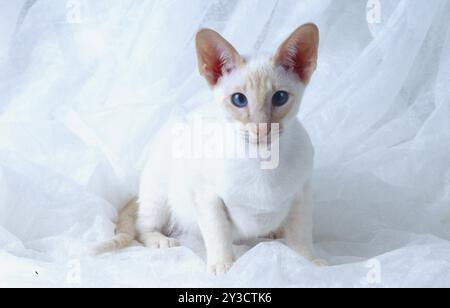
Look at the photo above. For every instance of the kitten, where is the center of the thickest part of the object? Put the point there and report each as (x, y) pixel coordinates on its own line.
(234, 199)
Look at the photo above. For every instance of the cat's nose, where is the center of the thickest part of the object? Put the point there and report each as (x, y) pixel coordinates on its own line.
(260, 130)
(263, 130)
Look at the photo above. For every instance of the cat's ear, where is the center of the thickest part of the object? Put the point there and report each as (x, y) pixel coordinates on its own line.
(298, 53)
(216, 56)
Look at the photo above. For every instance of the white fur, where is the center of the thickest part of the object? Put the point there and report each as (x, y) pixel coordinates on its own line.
(230, 199)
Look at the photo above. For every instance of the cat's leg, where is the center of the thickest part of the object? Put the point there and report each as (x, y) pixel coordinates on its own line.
(299, 226)
(153, 217)
(216, 230)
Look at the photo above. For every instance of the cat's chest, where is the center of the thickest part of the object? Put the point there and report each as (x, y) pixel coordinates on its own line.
(257, 200)
(246, 185)
(246, 182)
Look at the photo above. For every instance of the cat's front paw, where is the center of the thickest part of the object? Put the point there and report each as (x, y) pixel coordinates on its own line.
(219, 269)
(157, 240)
(164, 243)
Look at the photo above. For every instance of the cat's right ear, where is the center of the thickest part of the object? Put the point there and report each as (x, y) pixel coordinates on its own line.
(216, 56)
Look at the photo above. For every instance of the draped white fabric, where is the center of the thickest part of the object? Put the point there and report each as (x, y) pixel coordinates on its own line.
(84, 85)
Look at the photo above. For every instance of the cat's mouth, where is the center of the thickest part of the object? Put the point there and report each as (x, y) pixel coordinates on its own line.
(251, 138)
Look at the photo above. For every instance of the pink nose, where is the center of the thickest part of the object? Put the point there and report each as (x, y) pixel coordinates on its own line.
(263, 130)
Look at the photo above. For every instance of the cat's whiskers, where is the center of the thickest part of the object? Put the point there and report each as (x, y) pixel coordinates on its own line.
(275, 132)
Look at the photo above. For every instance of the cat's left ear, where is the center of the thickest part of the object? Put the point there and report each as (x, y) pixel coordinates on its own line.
(216, 56)
(298, 53)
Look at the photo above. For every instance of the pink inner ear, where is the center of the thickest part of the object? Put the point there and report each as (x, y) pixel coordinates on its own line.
(216, 69)
(211, 64)
(305, 64)
(299, 52)
(216, 56)
(301, 61)
(215, 65)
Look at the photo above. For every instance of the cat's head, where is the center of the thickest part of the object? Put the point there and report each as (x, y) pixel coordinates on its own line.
(259, 90)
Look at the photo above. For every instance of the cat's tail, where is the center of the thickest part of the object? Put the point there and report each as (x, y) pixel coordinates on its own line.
(125, 231)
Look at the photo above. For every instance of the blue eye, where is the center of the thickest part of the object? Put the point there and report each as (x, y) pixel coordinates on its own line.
(239, 100)
(280, 98)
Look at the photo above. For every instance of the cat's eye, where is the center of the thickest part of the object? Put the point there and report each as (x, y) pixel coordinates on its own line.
(239, 100)
(280, 98)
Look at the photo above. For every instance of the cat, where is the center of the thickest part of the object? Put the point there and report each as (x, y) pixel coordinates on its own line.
(234, 199)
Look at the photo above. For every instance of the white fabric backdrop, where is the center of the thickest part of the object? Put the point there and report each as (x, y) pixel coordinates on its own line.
(81, 96)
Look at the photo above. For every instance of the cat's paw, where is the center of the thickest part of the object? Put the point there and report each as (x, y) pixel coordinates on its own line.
(167, 242)
(320, 262)
(219, 269)
(157, 240)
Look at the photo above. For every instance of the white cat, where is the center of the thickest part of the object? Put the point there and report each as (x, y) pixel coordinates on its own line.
(234, 199)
